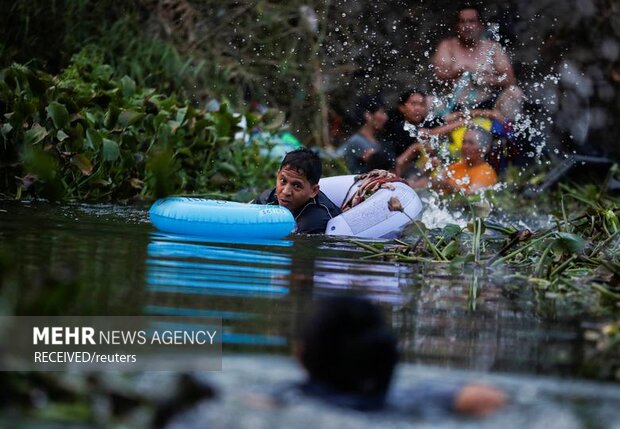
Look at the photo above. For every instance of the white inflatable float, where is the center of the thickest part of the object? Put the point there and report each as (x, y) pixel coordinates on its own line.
(371, 218)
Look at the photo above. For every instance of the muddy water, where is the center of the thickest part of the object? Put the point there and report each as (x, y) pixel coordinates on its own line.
(108, 260)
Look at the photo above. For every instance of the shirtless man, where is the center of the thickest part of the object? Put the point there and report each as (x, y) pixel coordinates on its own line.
(479, 68)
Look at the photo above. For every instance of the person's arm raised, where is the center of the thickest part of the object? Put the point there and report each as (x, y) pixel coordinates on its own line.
(442, 130)
(487, 113)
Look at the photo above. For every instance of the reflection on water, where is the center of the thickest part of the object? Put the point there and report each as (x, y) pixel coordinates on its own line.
(88, 260)
(380, 283)
(217, 281)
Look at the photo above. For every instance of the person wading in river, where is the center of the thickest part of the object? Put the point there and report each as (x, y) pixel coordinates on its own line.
(479, 68)
(350, 354)
(370, 116)
(297, 189)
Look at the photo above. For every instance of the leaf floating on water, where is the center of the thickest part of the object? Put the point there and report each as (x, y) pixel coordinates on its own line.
(451, 250)
(570, 243)
(415, 228)
(450, 231)
(464, 259)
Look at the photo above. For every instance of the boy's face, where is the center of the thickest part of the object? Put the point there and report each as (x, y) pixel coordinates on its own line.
(293, 188)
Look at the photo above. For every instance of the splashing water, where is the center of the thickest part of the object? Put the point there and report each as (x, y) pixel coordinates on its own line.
(437, 215)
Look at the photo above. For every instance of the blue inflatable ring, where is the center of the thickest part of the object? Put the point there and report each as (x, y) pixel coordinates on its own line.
(221, 219)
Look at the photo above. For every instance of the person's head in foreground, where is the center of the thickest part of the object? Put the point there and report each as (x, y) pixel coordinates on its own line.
(347, 348)
(297, 180)
(476, 143)
(412, 105)
(469, 26)
(349, 352)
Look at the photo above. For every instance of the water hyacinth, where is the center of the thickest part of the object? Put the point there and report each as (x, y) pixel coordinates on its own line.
(579, 254)
(83, 135)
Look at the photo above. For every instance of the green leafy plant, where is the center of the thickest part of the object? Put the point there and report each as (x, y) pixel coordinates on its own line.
(84, 134)
(577, 256)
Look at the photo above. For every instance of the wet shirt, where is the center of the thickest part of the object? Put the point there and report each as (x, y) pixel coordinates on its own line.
(353, 151)
(312, 218)
(471, 179)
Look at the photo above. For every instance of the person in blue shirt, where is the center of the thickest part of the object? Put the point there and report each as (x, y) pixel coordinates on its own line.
(370, 117)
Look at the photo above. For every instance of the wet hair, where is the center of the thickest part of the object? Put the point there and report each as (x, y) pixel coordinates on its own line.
(404, 96)
(305, 162)
(367, 103)
(347, 346)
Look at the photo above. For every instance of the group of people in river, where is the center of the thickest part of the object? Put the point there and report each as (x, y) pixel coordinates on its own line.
(417, 136)
(348, 352)
(411, 141)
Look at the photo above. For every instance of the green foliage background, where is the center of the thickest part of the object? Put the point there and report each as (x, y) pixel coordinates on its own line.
(88, 135)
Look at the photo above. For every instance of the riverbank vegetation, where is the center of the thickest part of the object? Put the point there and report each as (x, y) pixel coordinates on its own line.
(90, 135)
(122, 101)
(574, 257)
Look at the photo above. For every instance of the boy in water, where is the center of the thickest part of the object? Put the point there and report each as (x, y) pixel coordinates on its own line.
(349, 354)
(297, 189)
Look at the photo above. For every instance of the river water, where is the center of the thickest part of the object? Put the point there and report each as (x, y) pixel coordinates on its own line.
(452, 323)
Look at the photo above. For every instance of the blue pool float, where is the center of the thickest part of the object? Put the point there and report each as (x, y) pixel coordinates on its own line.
(221, 219)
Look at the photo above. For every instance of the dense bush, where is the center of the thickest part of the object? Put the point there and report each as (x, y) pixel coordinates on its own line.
(84, 134)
